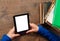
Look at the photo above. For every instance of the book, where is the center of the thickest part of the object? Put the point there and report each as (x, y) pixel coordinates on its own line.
(52, 17)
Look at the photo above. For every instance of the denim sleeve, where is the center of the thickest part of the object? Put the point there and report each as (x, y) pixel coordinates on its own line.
(6, 38)
(48, 34)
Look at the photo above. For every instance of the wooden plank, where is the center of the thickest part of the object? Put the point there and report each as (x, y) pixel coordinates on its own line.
(41, 14)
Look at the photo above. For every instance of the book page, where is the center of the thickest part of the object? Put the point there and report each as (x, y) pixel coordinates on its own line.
(50, 16)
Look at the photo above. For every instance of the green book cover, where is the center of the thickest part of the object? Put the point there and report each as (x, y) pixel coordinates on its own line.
(56, 17)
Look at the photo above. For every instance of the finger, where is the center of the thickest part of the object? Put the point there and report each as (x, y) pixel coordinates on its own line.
(12, 30)
(29, 31)
(16, 35)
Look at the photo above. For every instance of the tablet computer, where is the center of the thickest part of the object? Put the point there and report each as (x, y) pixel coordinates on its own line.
(21, 23)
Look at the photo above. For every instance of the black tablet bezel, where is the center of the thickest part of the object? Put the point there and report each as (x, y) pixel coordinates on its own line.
(15, 23)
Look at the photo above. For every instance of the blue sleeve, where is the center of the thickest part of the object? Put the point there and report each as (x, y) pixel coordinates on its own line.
(48, 34)
(6, 38)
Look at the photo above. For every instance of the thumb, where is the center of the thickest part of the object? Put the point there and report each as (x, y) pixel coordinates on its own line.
(29, 31)
(16, 35)
(31, 24)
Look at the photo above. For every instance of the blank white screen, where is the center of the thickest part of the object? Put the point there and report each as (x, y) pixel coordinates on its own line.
(21, 23)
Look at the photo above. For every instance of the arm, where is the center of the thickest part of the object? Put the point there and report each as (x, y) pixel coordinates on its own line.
(48, 34)
(44, 32)
(10, 35)
(6, 38)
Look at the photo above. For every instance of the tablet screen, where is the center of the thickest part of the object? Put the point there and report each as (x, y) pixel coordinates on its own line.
(21, 23)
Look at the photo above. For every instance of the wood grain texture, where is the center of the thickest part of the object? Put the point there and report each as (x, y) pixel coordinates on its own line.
(9, 8)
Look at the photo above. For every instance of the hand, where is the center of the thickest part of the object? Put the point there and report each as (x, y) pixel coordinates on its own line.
(11, 33)
(34, 28)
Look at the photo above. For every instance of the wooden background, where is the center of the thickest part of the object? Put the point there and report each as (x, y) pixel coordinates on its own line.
(9, 8)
